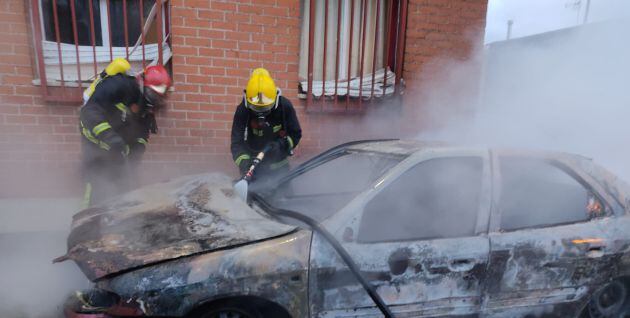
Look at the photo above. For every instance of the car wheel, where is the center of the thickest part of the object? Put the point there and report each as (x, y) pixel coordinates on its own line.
(611, 301)
(232, 311)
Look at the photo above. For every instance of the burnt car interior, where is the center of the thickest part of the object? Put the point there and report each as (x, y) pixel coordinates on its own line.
(530, 191)
(327, 187)
(438, 198)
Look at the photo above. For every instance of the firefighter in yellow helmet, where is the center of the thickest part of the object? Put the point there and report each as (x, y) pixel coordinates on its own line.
(264, 120)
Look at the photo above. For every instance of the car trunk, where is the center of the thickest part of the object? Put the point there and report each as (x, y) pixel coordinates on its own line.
(164, 221)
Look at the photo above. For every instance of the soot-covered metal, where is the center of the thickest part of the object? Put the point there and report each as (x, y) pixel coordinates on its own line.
(188, 246)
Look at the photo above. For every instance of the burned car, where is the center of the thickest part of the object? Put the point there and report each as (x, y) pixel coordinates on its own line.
(435, 230)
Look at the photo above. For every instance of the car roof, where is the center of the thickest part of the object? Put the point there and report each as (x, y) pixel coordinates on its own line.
(410, 146)
(396, 146)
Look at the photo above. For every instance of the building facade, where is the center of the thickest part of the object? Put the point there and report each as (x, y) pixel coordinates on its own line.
(211, 47)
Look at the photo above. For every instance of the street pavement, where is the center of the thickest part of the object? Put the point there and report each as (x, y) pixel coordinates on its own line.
(32, 233)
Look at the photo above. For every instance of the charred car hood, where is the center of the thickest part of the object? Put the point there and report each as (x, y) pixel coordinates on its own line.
(164, 221)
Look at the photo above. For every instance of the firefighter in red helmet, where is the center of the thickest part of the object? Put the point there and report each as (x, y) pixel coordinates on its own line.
(115, 123)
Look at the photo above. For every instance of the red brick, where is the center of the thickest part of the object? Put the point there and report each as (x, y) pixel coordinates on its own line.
(210, 52)
(223, 116)
(187, 88)
(224, 63)
(256, 9)
(250, 46)
(239, 36)
(211, 34)
(9, 109)
(266, 2)
(186, 50)
(20, 119)
(196, 60)
(8, 129)
(263, 20)
(58, 129)
(187, 140)
(224, 134)
(276, 11)
(211, 15)
(187, 124)
(197, 98)
(224, 25)
(198, 79)
(223, 99)
(16, 79)
(197, 23)
(223, 6)
(198, 115)
(176, 132)
(224, 44)
(196, 42)
(250, 28)
(211, 71)
(187, 69)
(197, 4)
(230, 81)
(215, 125)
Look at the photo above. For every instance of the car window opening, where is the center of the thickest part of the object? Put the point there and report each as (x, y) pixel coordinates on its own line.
(536, 193)
(438, 198)
(324, 189)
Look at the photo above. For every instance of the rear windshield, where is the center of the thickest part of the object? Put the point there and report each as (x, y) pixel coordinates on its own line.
(325, 188)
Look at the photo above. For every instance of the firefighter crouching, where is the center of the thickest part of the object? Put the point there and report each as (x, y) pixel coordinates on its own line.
(115, 123)
(264, 120)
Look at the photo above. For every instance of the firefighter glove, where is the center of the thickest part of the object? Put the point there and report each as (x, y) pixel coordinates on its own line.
(280, 145)
(244, 165)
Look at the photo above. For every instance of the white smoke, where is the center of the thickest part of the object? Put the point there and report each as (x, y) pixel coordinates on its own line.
(566, 90)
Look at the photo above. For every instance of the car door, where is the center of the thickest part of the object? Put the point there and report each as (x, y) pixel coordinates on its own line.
(418, 237)
(548, 240)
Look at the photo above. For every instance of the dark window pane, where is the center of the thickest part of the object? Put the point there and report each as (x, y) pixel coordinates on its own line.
(537, 193)
(326, 188)
(438, 198)
(64, 17)
(133, 20)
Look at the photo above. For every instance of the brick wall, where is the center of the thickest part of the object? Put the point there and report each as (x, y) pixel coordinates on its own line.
(215, 45)
(443, 40)
(35, 139)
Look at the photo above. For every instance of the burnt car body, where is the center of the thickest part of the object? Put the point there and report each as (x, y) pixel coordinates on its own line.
(437, 230)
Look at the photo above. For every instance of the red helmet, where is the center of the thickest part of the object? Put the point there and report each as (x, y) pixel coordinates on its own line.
(157, 79)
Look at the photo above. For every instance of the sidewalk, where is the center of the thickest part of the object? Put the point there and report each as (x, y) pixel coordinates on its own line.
(32, 233)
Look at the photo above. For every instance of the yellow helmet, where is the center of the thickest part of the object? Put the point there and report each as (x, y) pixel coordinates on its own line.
(117, 66)
(261, 93)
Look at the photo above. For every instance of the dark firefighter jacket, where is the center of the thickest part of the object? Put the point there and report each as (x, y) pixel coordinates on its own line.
(248, 138)
(107, 124)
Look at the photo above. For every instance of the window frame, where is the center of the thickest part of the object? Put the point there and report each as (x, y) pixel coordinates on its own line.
(351, 216)
(573, 172)
(426, 238)
(395, 29)
(324, 158)
(71, 90)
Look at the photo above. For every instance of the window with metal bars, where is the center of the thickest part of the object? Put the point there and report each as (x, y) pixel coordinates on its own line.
(76, 39)
(351, 51)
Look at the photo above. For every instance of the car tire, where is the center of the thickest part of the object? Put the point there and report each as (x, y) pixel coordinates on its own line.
(610, 301)
(232, 311)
